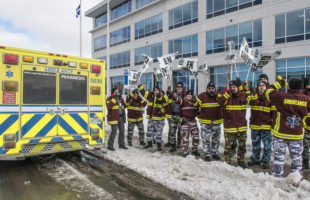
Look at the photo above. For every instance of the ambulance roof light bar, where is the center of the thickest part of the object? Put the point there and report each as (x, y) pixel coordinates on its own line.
(41, 60)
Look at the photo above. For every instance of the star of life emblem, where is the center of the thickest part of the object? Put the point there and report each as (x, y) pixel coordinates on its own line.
(293, 121)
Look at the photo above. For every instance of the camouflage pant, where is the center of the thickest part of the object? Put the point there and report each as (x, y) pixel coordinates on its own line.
(190, 128)
(208, 132)
(229, 140)
(259, 136)
(306, 152)
(174, 127)
(279, 146)
(155, 130)
(131, 127)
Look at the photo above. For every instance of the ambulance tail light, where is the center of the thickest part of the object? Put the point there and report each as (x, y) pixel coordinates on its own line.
(28, 59)
(58, 62)
(9, 86)
(95, 137)
(9, 145)
(103, 118)
(72, 64)
(84, 66)
(42, 60)
(94, 130)
(96, 69)
(95, 90)
(11, 59)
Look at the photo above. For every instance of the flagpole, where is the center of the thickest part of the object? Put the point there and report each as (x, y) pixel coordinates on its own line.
(81, 28)
(108, 50)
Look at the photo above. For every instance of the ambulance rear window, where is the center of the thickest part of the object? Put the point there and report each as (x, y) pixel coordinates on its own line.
(39, 88)
(72, 89)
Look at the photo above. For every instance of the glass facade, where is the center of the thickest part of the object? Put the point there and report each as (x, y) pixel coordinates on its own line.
(100, 43)
(216, 40)
(293, 68)
(154, 51)
(186, 78)
(101, 20)
(292, 26)
(105, 60)
(147, 81)
(117, 81)
(186, 46)
(183, 15)
(221, 75)
(141, 3)
(120, 60)
(221, 7)
(120, 36)
(150, 26)
(121, 10)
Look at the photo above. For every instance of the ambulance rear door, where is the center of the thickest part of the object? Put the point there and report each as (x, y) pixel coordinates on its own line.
(38, 103)
(73, 106)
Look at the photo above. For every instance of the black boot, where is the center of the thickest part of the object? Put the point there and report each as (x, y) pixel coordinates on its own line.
(142, 143)
(305, 164)
(159, 146)
(242, 164)
(173, 148)
(167, 145)
(149, 145)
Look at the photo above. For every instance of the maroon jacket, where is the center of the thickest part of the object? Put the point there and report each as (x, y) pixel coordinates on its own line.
(134, 108)
(261, 114)
(307, 119)
(211, 112)
(291, 107)
(113, 110)
(156, 106)
(188, 109)
(234, 111)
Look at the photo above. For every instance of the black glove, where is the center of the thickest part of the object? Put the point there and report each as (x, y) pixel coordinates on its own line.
(158, 95)
(194, 99)
(169, 94)
(127, 99)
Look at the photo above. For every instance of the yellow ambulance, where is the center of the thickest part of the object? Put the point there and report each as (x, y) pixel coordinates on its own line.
(49, 103)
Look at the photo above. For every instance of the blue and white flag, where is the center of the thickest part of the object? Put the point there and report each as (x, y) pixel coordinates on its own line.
(78, 11)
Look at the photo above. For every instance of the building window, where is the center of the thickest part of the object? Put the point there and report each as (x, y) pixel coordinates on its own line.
(120, 36)
(220, 7)
(292, 26)
(186, 46)
(147, 81)
(118, 82)
(120, 60)
(154, 51)
(221, 75)
(150, 26)
(293, 68)
(141, 3)
(100, 43)
(216, 40)
(121, 10)
(183, 15)
(186, 78)
(101, 20)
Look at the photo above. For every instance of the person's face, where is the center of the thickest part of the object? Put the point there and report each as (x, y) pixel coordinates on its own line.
(234, 87)
(209, 89)
(189, 97)
(115, 92)
(179, 88)
(262, 88)
(135, 96)
(156, 91)
(264, 79)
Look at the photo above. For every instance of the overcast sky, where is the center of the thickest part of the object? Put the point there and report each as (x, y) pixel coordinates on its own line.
(45, 25)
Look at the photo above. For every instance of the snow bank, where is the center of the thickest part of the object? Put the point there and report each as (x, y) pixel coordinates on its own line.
(209, 180)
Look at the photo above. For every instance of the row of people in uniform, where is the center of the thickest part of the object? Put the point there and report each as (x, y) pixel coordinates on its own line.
(278, 119)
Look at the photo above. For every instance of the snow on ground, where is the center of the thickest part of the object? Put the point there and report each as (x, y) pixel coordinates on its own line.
(208, 180)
